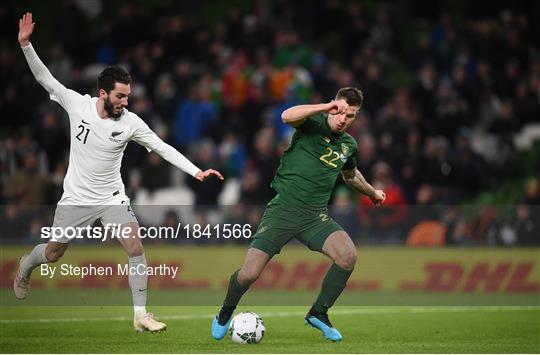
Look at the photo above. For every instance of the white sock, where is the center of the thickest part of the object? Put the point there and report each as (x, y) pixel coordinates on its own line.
(34, 259)
(139, 310)
(138, 283)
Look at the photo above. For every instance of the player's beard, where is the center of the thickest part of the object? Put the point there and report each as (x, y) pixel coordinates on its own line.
(109, 108)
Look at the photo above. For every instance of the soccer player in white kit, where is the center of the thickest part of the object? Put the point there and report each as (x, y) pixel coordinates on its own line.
(100, 128)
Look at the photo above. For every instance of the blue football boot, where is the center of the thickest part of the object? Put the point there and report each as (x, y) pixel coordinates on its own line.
(320, 321)
(218, 330)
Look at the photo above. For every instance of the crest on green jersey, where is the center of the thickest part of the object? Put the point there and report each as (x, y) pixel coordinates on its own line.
(344, 149)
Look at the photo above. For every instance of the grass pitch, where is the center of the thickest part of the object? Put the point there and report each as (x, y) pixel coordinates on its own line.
(408, 329)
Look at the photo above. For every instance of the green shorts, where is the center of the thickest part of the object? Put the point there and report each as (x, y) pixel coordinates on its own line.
(281, 222)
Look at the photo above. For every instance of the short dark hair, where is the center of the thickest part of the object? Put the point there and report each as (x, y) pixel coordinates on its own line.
(353, 96)
(110, 76)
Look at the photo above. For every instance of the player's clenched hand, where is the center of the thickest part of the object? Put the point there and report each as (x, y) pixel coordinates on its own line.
(204, 175)
(337, 106)
(26, 27)
(378, 197)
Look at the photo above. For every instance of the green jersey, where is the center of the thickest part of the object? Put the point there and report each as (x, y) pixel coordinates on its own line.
(309, 167)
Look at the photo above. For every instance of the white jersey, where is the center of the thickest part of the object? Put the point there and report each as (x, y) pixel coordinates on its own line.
(97, 148)
(98, 144)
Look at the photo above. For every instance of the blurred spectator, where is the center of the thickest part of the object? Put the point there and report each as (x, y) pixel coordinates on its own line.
(205, 157)
(52, 136)
(251, 115)
(60, 65)
(385, 221)
(522, 229)
(68, 22)
(439, 169)
(526, 225)
(57, 180)
(425, 93)
(481, 226)
(193, 117)
(367, 155)
(469, 170)
(532, 192)
(505, 123)
(166, 96)
(28, 187)
(451, 111)
(34, 231)
(411, 163)
(251, 187)
(260, 170)
(508, 164)
(465, 87)
(18, 150)
(155, 173)
(13, 221)
(455, 226)
(424, 209)
(232, 155)
(343, 211)
(290, 49)
(374, 87)
(527, 106)
(235, 87)
(283, 131)
(171, 220)
(184, 77)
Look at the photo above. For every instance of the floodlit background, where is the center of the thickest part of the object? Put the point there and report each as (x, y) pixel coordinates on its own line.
(449, 129)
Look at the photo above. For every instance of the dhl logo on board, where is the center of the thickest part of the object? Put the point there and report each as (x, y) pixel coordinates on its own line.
(378, 269)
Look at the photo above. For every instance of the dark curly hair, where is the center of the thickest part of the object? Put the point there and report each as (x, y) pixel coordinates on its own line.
(110, 76)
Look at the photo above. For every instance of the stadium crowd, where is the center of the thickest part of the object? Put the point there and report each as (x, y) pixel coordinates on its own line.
(446, 95)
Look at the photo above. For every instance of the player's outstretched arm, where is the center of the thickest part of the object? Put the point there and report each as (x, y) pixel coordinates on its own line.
(356, 180)
(147, 138)
(40, 71)
(296, 115)
(205, 175)
(176, 158)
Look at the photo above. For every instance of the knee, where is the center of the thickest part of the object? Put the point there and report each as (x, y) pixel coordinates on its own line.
(135, 250)
(347, 259)
(53, 255)
(247, 277)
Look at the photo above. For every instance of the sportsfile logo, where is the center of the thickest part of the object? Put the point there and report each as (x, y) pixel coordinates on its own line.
(110, 230)
(114, 230)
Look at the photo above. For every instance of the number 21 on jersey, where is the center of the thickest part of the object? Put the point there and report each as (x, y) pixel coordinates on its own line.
(83, 133)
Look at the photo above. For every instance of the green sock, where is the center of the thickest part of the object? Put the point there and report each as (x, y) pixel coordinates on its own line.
(333, 284)
(235, 291)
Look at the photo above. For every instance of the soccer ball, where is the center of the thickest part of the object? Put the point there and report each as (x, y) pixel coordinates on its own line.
(247, 328)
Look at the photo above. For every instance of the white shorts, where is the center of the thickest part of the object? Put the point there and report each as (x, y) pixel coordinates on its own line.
(117, 211)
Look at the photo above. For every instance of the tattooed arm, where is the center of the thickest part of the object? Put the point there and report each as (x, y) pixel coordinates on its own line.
(356, 180)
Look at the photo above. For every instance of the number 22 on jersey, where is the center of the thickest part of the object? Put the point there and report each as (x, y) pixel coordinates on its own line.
(330, 157)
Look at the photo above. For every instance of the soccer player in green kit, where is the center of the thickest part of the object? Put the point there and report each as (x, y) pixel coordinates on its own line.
(319, 151)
